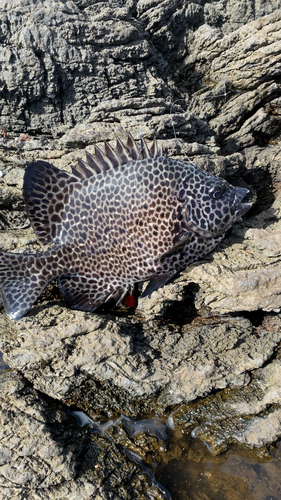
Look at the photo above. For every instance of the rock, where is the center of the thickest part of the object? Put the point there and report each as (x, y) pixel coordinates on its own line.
(60, 61)
(3, 366)
(256, 41)
(173, 25)
(43, 453)
(233, 91)
(55, 457)
(249, 415)
(68, 353)
(252, 123)
(34, 459)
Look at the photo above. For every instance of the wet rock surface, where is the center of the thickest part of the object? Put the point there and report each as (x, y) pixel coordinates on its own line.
(76, 73)
(228, 413)
(43, 453)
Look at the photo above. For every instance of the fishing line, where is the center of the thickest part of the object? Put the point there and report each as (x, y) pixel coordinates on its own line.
(174, 130)
(225, 72)
(214, 97)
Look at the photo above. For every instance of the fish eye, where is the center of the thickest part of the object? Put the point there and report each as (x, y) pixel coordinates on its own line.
(217, 191)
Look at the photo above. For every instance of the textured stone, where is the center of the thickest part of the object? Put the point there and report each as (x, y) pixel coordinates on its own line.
(60, 61)
(61, 350)
(173, 23)
(43, 454)
(249, 415)
(258, 42)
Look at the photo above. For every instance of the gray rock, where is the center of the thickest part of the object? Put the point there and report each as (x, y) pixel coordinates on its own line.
(60, 61)
(242, 48)
(3, 366)
(43, 453)
(124, 367)
(173, 25)
(224, 419)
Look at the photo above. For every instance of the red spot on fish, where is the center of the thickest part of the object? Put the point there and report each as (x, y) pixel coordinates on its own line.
(130, 301)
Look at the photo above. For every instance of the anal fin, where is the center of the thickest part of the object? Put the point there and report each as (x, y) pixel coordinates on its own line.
(85, 295)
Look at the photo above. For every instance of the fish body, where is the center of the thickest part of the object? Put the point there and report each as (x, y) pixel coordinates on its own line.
(121, 217)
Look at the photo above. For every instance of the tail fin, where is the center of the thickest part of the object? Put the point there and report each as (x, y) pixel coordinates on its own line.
(22, 280)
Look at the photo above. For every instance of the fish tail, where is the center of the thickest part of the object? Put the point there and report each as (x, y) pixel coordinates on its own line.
(22, 279)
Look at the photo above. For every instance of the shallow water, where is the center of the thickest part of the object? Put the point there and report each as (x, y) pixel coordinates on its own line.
(185, 468)
(234, 475)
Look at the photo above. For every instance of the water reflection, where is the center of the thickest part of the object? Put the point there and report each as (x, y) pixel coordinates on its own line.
(236, 474)
(186, 469)
(3, 365)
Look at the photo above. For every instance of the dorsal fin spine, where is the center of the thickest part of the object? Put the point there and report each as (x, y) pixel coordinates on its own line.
(133, 148)
(112, 155)
(100, 161)
(83, 169)
(77, 173)
(122, 151)
(153, 150)
(92, 163)
(144, 149)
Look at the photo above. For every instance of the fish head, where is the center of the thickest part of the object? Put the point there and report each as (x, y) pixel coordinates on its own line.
(214, 205)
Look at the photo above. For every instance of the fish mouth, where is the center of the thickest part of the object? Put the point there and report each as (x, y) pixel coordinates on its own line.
(240, 208)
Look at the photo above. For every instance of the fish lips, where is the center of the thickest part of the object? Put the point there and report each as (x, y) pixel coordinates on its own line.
(240, 208)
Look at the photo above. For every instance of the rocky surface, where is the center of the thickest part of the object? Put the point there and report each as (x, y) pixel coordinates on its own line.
(130, 366)
(224, 418)
(61, 59)
(78, 72)
(43, 454)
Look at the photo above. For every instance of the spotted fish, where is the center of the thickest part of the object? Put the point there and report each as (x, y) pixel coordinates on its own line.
(123, 216)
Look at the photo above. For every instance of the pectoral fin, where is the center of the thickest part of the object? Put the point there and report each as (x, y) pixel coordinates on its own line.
(180, 241)
(156, 282)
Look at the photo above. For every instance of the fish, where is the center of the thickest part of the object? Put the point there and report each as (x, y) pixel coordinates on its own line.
(123, 215)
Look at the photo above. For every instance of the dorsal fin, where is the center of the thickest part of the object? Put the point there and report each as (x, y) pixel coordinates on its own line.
(77, 174)
(154, 151)
(133, 148)
(95, 167)
(83, 169)
(45, 191)
(46, 188)
(101, 159)
(144, 149)
(123, 152)
(113, 158)
(112, 155)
